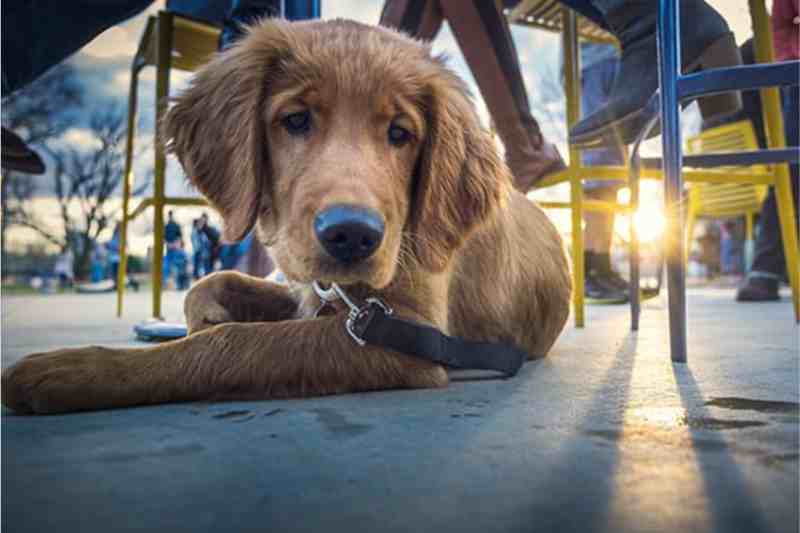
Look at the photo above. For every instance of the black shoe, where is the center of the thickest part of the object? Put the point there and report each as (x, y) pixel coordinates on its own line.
(706, 41)
(600, 263)
(758, 289)
(612, 277)
(18, 156)
(596, 289)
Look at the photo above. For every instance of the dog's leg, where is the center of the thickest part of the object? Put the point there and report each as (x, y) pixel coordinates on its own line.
(229, 361)
(233, 297)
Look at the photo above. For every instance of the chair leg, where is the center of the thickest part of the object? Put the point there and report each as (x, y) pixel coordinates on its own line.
(786, 215)
(572, 83)
(669, 70)
(634, 284)
(127, 183)
(164, 60)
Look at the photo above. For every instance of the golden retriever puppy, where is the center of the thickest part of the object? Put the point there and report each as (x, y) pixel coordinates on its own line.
(359, 159)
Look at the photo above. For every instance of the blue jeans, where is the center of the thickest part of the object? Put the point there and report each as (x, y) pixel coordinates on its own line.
(178, 261)
(596, 83)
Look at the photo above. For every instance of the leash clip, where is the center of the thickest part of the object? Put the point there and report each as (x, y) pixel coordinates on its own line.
(358, 317)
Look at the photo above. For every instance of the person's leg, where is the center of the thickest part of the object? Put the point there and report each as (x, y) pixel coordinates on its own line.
(182, 268)
(213, 255)
(484, 37)
(769, 263)
(196, 260)
(114, 270)
(39, 34)
(166, 265)
(706, 41)
(599, 232)
(601, 281)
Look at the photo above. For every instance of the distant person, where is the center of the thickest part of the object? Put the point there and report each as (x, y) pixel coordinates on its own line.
(731, 247)
(179, 264)
(64, 268)
(112, 249)
(97, 263)
(175, 259)
(200, 250)
(214, 238)
(172, 230)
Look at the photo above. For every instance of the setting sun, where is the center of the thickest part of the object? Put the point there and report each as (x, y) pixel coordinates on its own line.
(649, 218)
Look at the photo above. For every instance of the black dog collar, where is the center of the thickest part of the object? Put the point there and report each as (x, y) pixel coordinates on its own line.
(374, 323)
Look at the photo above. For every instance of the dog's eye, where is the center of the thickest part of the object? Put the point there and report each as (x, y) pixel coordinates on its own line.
(297, 123)
(398, 136)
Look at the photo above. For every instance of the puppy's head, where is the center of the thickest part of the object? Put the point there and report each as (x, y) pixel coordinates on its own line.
(350, 148)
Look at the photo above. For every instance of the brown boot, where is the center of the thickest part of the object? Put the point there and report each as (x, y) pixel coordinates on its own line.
(529, 156)
(482, 32)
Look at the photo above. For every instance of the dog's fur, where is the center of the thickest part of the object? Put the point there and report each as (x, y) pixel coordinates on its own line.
(462, 250)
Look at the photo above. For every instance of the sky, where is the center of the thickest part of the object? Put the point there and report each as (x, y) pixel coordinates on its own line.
(103, 67)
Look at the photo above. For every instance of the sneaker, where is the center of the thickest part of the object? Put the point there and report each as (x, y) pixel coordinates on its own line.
(613, 278)
(758, 289)
(599, 290)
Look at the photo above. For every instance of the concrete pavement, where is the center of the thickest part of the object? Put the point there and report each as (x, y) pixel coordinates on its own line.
(604, 435)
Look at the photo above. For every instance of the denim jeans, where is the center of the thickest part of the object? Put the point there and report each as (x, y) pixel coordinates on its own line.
(596, 83)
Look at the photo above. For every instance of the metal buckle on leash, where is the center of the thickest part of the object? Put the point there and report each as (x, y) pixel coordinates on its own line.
(358, 316)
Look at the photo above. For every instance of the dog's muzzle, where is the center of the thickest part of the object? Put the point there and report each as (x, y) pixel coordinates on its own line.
(349, 233)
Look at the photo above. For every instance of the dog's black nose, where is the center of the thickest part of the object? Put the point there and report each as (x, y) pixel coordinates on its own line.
(349, 233)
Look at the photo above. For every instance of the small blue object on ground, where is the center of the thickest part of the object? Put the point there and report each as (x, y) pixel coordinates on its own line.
(158, 330)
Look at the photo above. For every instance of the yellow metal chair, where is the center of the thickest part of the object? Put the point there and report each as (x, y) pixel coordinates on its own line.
(169, 41)
(726, 200)
(552, 16)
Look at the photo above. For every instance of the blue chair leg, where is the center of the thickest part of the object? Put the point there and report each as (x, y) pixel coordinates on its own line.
(669, 56)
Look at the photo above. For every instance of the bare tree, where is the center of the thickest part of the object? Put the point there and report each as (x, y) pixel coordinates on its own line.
(83, 181)
(37, 113)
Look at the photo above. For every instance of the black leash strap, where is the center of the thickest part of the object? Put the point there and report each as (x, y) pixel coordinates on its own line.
(374, 324)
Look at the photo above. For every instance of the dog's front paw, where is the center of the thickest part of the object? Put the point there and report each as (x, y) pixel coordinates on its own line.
(64, 380)
(202, 306)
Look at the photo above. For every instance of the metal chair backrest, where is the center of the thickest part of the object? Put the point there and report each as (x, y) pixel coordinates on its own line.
(728, 199)
(193, 43)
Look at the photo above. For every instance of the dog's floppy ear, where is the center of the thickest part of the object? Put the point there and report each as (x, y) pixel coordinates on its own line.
(460, 176)
(216, 127)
